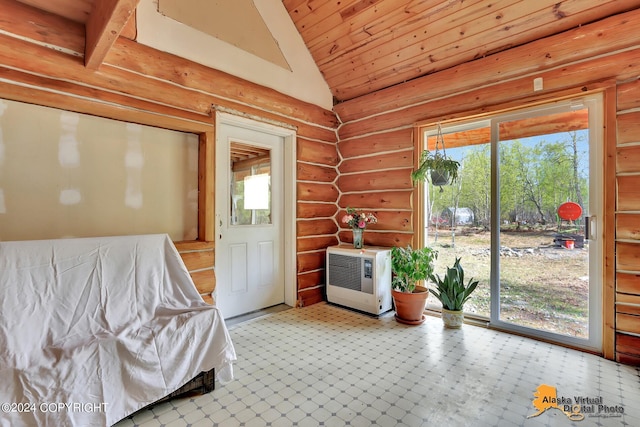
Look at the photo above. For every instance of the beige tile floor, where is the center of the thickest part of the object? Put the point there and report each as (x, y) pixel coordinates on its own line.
(324, 365)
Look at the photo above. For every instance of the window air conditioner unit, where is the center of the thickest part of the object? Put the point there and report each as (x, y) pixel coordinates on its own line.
(359, 278)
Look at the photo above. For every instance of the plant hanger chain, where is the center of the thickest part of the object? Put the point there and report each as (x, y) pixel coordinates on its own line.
(440, 139)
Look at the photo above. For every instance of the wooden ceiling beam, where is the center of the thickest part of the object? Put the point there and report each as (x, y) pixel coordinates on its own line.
(107, 20)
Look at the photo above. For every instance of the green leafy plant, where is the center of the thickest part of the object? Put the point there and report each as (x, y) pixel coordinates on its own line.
(451, 289)
(435, 161)
(409, 266)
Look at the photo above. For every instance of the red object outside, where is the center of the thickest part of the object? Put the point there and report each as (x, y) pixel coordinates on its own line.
(569, 211)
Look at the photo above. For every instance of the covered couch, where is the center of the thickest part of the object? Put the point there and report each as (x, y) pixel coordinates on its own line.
(93, 329)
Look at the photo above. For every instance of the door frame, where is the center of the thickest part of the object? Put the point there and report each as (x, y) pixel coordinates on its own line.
(288, 135)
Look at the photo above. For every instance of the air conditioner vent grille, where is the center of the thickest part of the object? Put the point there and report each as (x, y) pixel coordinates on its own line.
(345, 271)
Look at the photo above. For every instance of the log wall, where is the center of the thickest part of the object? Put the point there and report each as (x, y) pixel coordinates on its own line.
(199, 259)
(375, 136)
(41, 62)
(627, 217)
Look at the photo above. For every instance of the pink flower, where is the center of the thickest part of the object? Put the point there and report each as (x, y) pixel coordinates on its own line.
(347, 218)
(362, 224)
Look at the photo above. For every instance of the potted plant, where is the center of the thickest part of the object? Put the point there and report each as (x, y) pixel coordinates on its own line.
(442, 169)
(453, 293)
(410, 266)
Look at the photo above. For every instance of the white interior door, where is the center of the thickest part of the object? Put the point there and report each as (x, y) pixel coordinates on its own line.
(249, 219)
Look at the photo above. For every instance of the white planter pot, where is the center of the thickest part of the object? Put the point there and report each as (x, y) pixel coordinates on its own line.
(452, 319)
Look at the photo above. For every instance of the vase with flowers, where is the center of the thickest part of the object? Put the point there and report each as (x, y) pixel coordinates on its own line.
(358, 221)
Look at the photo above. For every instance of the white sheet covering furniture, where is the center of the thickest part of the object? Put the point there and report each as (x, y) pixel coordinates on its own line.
(103, 325)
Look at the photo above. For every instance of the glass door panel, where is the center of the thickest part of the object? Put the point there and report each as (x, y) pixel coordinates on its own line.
(458, 216)
(543, 265)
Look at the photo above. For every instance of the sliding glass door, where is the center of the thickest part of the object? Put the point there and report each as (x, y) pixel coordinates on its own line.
(525, 219)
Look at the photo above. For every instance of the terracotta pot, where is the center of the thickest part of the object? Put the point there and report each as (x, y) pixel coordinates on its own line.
(452, 319)
(410, 307)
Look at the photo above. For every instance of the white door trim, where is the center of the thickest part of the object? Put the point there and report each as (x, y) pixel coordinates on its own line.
(289, 176)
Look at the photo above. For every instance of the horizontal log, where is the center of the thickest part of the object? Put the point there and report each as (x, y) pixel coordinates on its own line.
(402, 159)
(316, 192)
(387, 220)
(580, 44)
(305, 244)
(379, 200)
(628, 226)
(628, 193)
(389, 141)
(309, 172)
(627, 299)
(311, 296)
(628, 344)
(167, 67)
(628, 95)
(629, 127)
(315, 227)
(317, 152)
(194, 245)
(575, 79)
(311, 279)
(628, 283)
(377, 238)
(376, 181)
(311, 261)
(205, 281)
(628, 256)
(208, 299)
(51, 29)
(97, 108)
(630, 309)
(198, 260)
(315, 210)
(627, 323)
(628, 158)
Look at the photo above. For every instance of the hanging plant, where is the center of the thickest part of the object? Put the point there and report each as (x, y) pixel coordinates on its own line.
(442, 170)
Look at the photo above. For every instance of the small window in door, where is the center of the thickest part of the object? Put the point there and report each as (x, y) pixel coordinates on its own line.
(250, 185)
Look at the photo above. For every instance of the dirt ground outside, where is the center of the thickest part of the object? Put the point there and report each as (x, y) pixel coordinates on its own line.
(543, 285)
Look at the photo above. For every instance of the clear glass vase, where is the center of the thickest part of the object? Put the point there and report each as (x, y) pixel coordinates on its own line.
(358, 237)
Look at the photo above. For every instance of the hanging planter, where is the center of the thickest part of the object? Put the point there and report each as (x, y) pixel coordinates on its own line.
(442, 170)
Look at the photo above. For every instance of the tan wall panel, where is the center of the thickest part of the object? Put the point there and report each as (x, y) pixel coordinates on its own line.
(67, 174)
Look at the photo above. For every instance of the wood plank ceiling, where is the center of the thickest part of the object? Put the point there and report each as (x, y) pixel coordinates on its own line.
(362, 46)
